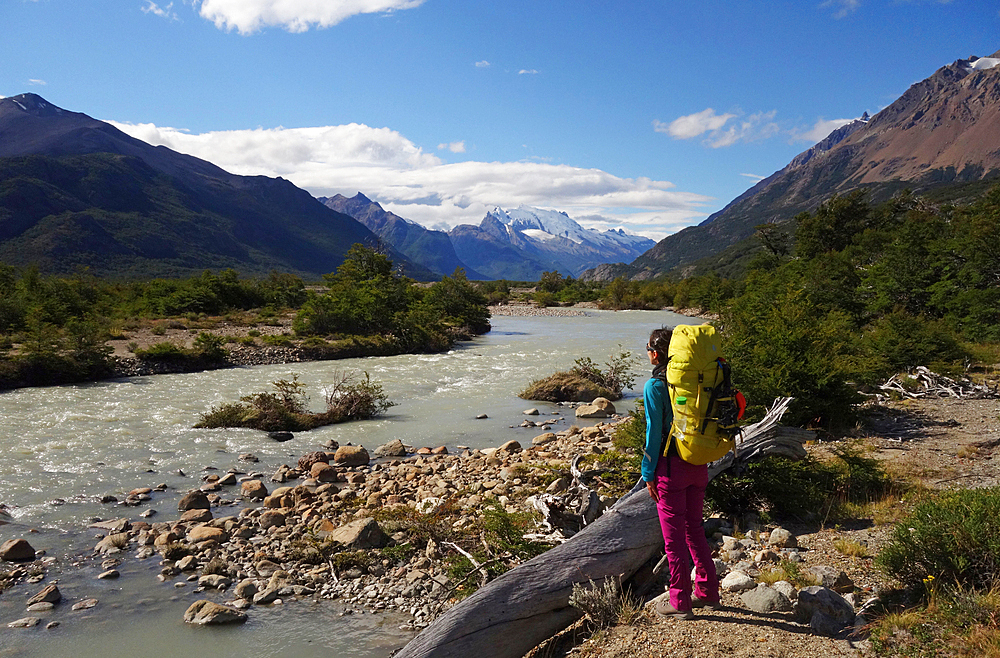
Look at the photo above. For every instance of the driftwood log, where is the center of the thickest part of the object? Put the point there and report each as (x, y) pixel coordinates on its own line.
(924, 383)
(522, 608)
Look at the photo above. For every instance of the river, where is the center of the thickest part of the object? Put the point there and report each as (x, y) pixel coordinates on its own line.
(65, 447)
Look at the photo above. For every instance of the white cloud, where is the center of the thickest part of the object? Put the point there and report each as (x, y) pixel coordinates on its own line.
(820, 130)
(454, 147)
(693, 125)
(482, 64)
(750, 129)
(843, 7)
(411, 183)
(527, 72)
(163, 12)
(755, 127)
(37, 83)
(754, 176)
(248, 16)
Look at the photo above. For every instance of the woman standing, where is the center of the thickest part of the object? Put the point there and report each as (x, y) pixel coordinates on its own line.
(679, 491)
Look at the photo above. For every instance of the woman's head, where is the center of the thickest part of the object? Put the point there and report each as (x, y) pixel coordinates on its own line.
(656, 348)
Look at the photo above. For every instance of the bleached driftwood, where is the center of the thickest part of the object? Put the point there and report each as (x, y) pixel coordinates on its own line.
(933, 385)
(525, 606)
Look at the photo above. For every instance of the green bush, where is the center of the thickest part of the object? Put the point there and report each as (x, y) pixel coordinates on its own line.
(164, 351)
(954, 538)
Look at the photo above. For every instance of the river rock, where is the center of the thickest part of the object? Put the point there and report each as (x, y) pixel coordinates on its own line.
(823, 599)
(112, 527)
(269, 595)
(270, 519)
(253, 489)
(737, 581)
(194, 500)
(781, 538)
(16, 550)
(110, 574)
(280, 437)
(85, 604)
(24, 622)
(322, 472)
(351, 456)
(246, 589)
(214, 581)
(49, 594)
(203, 533)
(307, 460)
(266, 568)
(187, 563)
(394, 448)
(511, 447)
(764, 599)
(210, 614)
(542, 439)
(599, 408)
(112, 543)
(530, 412)
(41, 606)
(196, 516)
(360, 534)
(835, 579)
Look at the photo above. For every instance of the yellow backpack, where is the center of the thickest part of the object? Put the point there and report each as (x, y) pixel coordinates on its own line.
(704, 403)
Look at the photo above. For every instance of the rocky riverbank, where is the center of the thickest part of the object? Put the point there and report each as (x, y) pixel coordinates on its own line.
(380, 531)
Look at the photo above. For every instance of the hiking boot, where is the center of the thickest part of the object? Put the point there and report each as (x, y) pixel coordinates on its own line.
(667, 611)
(704, 603)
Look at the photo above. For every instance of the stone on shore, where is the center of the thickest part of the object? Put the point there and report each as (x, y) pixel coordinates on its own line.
(49, 594)
(309, 459)
(542, 439)
(835, 579)
(351, 456)
(203, 533)
(360, 534)
(207, 613)
(196, 516)
(16, 550)
(394, 448)
(253, 489)
(781, 538)
(323, 472)
(511, 447)
(599, 408)
(194, 500)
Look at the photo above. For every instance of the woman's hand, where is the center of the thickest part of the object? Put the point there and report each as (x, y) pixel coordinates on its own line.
(651, 488)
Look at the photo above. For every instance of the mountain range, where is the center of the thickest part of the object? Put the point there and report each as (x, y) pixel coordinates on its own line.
(518, 244)
(942, 130)
(76, 193)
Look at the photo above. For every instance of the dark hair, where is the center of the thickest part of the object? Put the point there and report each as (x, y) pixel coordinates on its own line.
(659, 340)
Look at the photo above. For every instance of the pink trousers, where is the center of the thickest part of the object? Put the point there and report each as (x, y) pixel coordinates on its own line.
(681, 504)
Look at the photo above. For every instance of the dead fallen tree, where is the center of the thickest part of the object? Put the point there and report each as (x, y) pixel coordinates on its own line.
(924, 383)
(527, 605)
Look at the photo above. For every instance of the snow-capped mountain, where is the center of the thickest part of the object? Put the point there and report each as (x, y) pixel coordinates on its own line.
(547, 240)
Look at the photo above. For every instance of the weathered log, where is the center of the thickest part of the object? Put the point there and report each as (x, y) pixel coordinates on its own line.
(527, 605)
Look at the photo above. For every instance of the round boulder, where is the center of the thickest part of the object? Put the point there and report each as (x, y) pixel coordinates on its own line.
(394, 448)
(351, 456)
(253, 489)
(194, 500)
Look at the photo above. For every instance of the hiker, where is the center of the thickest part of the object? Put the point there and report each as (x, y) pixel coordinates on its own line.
(679, 491)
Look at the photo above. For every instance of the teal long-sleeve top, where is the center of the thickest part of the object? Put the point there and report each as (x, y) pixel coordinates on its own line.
(658, 413)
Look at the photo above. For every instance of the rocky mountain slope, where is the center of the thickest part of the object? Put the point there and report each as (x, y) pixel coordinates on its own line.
(430, 248)
(943, 130)
(77, 192)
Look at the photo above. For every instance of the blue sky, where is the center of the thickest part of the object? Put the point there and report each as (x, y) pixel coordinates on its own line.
(647, 115)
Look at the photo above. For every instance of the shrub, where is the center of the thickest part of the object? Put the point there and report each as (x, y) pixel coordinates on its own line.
(565, 387)
(601, 603)
(353, 398)
(161, 352)
(954, 537)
